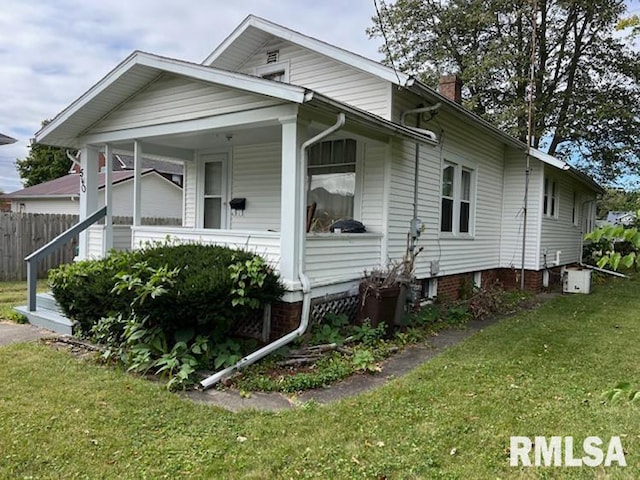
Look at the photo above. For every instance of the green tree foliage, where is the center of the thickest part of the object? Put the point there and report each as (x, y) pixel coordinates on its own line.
(43, 163)
(618, 200)
(586, 88)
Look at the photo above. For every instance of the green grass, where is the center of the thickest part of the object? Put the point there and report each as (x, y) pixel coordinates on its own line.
(538, 373)
(13, 294)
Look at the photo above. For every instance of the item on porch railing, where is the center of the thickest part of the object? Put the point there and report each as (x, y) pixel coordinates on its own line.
(347, 226)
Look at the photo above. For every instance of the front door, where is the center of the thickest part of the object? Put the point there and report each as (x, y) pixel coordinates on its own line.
(214, 211)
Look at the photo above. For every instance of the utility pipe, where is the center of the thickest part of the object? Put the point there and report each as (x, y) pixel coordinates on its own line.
(304, 280)
(420, 111)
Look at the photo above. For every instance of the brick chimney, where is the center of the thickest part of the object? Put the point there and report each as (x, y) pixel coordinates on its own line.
(451, 87)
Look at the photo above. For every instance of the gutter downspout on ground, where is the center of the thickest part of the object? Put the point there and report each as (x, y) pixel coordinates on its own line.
(304, 280)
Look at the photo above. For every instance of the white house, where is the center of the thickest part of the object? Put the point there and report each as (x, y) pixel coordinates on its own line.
(273, 120)
(162, 198)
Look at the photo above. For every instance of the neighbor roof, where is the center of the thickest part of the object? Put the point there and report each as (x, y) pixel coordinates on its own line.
(69, 185)
(6, 139)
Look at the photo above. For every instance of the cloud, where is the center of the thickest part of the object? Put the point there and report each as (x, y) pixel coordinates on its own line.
(52, 52)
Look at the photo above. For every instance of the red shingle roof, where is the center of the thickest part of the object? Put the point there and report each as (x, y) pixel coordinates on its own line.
(69, 185)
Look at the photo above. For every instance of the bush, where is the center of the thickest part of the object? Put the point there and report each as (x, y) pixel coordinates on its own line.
(213, 287)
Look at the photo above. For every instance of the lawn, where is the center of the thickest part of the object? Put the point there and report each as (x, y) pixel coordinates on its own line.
(540, 373)
(13, 294)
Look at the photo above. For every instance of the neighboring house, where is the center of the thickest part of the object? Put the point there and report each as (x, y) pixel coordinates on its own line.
(6, 139)
(161, 197)
(259, 129)
(620, 218)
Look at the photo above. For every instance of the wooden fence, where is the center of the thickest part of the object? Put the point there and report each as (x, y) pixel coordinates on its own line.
(23, 233)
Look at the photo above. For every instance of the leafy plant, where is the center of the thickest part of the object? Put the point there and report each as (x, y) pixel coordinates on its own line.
(623, 391)
(619, 246)
(247, 277)
(363, 360)
(330, 330)
(457, 314)
(226, 354)
(368, 335)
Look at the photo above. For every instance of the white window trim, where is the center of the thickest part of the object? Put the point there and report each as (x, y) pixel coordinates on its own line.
(270, 68)
(359, 171)
(459, 166)
(550, 181)
(203, 158)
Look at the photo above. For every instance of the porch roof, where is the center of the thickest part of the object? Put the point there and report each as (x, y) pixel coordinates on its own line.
(141, 68)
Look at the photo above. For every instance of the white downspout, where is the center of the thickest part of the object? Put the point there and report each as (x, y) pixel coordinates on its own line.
(304, 280)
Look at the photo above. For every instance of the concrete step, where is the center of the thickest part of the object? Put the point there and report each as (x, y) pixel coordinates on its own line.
(46, 301)
(48, 319)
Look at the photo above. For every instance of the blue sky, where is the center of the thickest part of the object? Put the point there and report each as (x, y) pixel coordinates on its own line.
(52, 51)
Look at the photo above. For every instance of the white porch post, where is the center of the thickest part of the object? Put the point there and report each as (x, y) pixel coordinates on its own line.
(108, 200)
(88, 192)
(289, 201)
(137, 183)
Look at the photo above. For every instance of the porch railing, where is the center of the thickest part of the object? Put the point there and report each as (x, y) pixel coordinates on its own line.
(52, 246)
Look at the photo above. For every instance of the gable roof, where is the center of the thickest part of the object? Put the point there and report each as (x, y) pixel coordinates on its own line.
(562, 165)
(255, 31)
(133, 74)
(69, 185)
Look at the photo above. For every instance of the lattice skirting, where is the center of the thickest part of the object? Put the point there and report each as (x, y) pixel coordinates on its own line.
(256, 326)
(338, 304)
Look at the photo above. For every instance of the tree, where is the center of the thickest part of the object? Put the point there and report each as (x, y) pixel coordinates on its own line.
(586, 81)
(618, 200)
(43, 163)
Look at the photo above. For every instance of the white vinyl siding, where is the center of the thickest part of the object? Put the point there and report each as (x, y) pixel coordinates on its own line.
(328, 77)
(559, 233)
(472, 148)
(160, 198)
(172, 99)
(256, 177)
(65, 205)
(190, 193)
(372, 173)
(512, 214)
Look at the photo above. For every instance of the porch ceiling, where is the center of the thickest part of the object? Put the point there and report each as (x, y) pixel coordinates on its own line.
(212, 139)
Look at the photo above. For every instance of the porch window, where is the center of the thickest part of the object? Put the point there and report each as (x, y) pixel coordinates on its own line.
(331, 181)
(456, 213)
(550, 201)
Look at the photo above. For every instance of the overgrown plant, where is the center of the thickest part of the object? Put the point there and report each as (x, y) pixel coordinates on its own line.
(618, 246)
(623, 392)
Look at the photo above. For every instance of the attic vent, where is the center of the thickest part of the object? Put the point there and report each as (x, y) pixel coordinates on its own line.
(272, 56)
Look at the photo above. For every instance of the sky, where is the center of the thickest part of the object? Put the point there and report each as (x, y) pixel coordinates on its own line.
(52, 51)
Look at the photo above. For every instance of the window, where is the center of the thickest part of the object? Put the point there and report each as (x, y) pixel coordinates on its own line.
(331, 181)
(446, 222)
(550, 201)
(274, 71)
(457, 200)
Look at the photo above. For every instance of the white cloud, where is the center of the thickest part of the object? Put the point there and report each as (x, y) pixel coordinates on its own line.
(51, 52)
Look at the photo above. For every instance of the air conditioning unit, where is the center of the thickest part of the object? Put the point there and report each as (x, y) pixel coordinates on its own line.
(576, 280)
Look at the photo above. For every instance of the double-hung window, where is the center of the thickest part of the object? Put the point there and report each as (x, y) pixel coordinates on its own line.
(331, 181)
(456, 212)
(550, 200)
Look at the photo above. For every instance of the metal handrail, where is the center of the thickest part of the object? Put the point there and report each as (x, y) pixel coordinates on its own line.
(52, 246)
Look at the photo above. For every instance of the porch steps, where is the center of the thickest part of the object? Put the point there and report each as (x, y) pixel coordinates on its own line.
(47, 315)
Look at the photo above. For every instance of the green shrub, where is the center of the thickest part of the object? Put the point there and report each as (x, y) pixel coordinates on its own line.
(201, 297)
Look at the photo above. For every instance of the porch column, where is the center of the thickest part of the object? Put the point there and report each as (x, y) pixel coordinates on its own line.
(137, 185)
(89, 164)
(108, 200)
(289, 201)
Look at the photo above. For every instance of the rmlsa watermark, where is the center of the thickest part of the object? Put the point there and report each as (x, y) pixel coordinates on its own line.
(563, 452)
